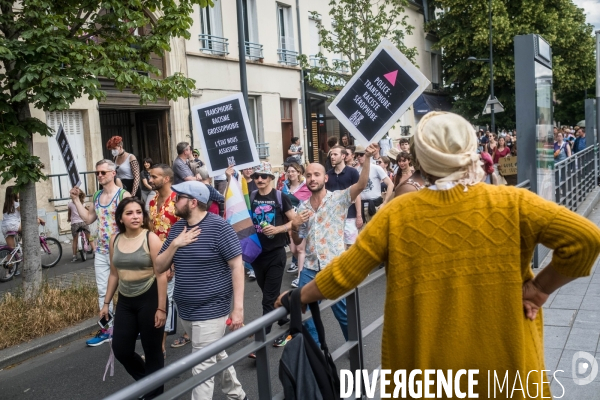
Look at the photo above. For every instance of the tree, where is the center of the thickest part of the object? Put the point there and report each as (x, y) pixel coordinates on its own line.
(52, 52)
(463, 31)
(358, 26)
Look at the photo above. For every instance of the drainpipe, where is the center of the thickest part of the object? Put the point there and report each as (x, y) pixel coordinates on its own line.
(190, 124)
(302, 87)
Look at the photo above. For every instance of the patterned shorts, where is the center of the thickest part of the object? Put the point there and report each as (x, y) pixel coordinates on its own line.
(75, 227)
(350, 231)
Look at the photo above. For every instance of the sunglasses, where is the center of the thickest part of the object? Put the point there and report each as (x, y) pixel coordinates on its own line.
(378, 162)
(98, 173)
(359, 154)
(261, 176)
(180, 196)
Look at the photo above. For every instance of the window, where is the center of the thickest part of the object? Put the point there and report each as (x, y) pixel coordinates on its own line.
(285, 33)
(253, 48)
(313, 32)
(255, 119)
(211, 30)
(286, 110)
(435, 71)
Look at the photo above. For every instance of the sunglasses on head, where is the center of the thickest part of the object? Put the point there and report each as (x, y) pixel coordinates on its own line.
(98, 173)
(262, 176)
(179, 196)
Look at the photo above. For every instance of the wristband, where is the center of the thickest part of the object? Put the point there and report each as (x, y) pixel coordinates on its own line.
(160, 309)
(107, 303)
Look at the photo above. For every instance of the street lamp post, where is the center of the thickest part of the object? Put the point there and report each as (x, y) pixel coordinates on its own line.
(491, 62)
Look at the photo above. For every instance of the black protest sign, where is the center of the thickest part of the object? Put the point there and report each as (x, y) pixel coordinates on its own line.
(225, 134)
(67, 156)
(378, 94)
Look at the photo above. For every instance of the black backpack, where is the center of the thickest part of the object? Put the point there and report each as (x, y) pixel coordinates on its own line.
(305, 371)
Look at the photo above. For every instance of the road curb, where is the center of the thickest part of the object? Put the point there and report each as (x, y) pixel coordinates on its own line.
(19, 353)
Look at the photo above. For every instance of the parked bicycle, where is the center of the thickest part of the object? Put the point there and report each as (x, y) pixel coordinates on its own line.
(10, 259)
(83, 244)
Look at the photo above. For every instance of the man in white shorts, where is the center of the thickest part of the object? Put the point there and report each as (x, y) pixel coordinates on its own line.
(341, 177)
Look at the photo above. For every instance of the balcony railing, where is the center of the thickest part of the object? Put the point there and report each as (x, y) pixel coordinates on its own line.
(316, 61)
(214, 44)
(263, 150)
(341, 66)
(254, 51)
(287, 57)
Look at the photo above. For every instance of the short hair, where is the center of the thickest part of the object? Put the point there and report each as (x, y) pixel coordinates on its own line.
(167, 171)
(403, 154)
(149, 161)
(295, 139)
(121, 208)
(114, 141)
(111, 165)
(403, 140)
(337, 146)
(203, 172)
(352, 148)
(201, 206)
(332, 141)
(181, 146)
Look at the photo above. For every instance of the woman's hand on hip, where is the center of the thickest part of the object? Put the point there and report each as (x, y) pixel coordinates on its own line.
(533, 299)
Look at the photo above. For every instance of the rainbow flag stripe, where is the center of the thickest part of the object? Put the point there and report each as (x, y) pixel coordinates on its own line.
(237, 215)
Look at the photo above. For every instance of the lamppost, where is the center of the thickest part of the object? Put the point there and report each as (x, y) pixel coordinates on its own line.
(491, 61)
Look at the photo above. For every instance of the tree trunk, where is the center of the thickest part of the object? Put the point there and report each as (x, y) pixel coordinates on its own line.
(32, 262)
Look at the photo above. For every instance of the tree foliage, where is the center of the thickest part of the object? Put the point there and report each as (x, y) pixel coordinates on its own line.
(53, 52)
(358, 26)
(463, 31)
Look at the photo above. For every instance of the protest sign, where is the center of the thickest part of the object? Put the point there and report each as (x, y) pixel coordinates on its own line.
(225, 134)
(508, 165)
(378, 94)
(67, 156)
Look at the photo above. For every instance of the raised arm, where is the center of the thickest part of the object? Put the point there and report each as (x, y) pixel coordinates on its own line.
(86, 215)
(363, 179)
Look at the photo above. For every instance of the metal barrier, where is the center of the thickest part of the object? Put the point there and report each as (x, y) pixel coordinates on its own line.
(254, 51)
(575, 177)
(525, 185)
(287, 57)
(85, 184)
(354, 346)
(214, 44)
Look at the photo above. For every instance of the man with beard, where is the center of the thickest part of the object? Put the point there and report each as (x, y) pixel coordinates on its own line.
(320, 220)
(209, 277)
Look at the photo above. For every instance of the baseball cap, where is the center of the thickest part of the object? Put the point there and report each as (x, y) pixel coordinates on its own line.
(194, 189)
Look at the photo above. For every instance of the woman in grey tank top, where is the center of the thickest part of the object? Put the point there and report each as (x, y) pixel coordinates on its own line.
(142, 292)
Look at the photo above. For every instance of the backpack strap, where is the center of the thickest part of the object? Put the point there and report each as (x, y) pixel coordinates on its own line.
(96, 195)
(279, 200)
(253, 196)
(121, 193)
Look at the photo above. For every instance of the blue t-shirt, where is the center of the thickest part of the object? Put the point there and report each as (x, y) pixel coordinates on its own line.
(203, 282)
(348, 177)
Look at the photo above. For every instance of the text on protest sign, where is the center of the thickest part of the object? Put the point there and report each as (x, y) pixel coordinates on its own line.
(225, 134)
(67, 156)
(378, 94)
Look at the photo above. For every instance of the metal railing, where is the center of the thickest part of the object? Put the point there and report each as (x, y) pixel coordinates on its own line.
(287, 57)
(340, 65)
(263, 150)
(214, 44)
(254, 51)
(354, 346)
(316, 61)
(525, 185)
(64, 184)
(575, 178)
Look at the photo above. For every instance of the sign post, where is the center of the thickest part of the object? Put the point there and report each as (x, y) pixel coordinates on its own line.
(67, 156)
(225, 134)
(378, 94)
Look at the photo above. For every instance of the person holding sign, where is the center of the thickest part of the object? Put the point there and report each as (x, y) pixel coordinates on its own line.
(105, 204)
(128, 168)
(371, 196)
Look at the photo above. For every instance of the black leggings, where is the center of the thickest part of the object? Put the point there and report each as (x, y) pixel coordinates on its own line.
(136, 315)
(268, 268)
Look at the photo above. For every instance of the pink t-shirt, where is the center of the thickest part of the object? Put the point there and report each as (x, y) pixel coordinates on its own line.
(75, 218)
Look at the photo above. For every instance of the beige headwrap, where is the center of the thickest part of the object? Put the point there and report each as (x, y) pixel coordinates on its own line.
(446, 146)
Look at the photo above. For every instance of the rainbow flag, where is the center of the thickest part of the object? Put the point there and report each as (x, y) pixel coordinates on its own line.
(237, 215)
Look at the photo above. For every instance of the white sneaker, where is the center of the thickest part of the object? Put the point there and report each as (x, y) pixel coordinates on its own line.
(295, 282)
(252, 276)
(292, 268)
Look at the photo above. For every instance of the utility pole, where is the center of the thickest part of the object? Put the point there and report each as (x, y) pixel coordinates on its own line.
(492, 97)
(242, 51)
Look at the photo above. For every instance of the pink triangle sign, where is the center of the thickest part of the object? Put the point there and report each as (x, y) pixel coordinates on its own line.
(391, 76)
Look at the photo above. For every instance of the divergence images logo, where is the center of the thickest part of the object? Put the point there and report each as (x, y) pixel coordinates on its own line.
(580, 366)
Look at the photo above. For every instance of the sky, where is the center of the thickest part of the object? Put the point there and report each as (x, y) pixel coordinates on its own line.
(592, 11)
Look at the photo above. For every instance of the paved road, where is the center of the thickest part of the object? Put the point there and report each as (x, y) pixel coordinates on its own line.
(75, 371)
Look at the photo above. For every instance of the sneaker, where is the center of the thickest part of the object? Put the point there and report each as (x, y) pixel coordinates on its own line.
(295, 282)
(252, 275)
(97, 340)
(292, 268)
(252, 355)
(17, 273)
(282, 341)
(74, 259)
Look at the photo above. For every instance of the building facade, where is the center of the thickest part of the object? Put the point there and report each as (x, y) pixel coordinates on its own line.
(274, 32)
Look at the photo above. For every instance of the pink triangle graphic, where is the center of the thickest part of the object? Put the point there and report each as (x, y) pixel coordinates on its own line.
(391, 76)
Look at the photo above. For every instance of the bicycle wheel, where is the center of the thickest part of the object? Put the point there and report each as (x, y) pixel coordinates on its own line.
(7, 271)
(51, 252)
(81, 246)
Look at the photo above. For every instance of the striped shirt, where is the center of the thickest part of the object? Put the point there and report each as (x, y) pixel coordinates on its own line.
(203, 281)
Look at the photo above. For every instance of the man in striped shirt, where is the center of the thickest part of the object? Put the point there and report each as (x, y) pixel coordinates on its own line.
(209, 274)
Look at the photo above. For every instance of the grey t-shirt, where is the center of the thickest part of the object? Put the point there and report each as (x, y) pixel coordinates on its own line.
(181, 170)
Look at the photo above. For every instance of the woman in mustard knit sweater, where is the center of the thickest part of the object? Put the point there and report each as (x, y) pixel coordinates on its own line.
(460, 290)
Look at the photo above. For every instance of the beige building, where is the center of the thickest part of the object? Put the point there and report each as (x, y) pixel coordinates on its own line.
(273, 33)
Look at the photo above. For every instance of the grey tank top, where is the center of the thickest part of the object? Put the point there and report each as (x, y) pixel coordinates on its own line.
(136, 272)
(124, 170)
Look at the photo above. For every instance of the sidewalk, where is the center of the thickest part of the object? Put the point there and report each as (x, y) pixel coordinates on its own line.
(572, 324)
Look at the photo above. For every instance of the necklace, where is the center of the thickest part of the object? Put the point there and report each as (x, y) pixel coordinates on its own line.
(128, 238)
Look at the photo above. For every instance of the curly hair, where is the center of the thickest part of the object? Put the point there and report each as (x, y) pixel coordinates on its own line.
(114, 142)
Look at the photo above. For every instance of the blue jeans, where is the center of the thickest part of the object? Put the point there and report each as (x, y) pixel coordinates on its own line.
(339, 308)
(248, 266)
